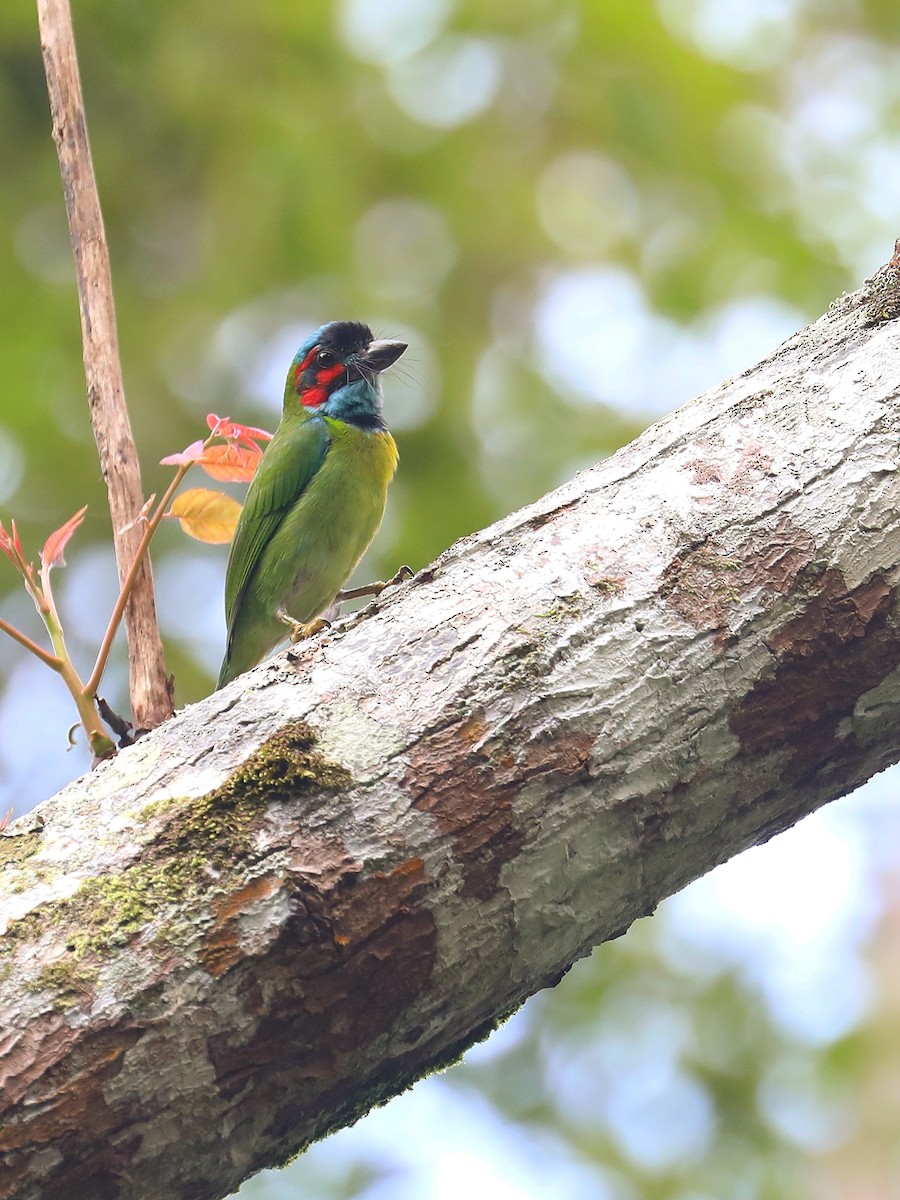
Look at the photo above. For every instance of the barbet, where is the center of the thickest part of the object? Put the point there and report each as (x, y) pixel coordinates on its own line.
(317, 497)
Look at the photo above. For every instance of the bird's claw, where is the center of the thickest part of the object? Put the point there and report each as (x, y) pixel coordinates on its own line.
(301, 630)
(376, 588)
(310, 629)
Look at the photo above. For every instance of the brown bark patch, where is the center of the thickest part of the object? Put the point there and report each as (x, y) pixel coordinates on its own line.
(840, 646)
(64, 1104)
(469, 787)
(69, 1092)
(63, 1091)
(360, 1003)
(28, 1053)
(100, 1177)
(361, 910)
(706, 583)
(14, 1171)
(221, 947)
(356, 954)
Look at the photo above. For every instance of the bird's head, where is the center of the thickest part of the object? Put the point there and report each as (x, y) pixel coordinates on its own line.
(336, 372)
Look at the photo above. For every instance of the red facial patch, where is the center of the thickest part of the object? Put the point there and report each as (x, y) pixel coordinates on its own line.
(328, 374)
(313, 396)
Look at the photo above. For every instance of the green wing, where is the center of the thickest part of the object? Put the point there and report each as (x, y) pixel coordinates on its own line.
(290, 461)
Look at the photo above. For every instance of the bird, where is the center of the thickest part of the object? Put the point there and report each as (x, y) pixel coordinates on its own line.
(317, 497)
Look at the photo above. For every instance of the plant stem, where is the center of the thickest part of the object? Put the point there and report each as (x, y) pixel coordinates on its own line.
(24, 640)
(100, 742)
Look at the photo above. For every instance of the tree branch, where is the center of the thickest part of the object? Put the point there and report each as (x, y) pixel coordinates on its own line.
(335, 873)
(151, 698)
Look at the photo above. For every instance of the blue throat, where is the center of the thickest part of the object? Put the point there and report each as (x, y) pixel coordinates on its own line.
(357, 403)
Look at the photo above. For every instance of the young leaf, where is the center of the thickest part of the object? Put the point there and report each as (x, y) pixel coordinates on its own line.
(231, 463)
(233, 430)
(12, 548)
(6, 546)
(55, 545)
(206, 516)
(192, 454)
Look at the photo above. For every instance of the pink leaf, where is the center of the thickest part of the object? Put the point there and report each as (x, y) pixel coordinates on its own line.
(192, 454)
(55, 545)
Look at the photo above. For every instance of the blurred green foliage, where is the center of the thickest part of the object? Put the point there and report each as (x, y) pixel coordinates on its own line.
(428, 167)
(446, 171)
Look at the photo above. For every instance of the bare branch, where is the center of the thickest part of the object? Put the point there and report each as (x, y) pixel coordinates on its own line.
(151, 699)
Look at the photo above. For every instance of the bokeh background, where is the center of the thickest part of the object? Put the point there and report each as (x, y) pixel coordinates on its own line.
(579, 213)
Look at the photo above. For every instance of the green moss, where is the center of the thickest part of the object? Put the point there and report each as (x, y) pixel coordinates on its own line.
(67, 980)
(711, 561)
(15, 848)
(212, 833)
(564, 609)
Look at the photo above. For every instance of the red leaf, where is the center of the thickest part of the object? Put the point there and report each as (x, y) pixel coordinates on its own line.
(6, 545)
(55, 545)
(234, 431)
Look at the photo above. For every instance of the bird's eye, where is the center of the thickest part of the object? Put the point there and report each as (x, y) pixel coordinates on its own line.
(326, 358)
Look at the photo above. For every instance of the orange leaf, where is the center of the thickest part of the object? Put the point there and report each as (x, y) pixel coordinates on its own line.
(55, 545)
(231, 463)
(206, 516)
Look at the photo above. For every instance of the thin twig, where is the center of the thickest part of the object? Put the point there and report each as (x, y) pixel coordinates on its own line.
(151, 699)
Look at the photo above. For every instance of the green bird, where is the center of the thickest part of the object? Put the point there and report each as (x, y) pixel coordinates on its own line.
(317, 497)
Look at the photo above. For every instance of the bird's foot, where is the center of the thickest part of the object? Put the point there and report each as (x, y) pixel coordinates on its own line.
(376, 588)
(310, 629)
(301, 630)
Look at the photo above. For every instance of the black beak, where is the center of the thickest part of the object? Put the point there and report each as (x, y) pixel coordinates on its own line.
(381, 355)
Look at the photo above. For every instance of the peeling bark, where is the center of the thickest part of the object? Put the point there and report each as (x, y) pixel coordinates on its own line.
(296, 897)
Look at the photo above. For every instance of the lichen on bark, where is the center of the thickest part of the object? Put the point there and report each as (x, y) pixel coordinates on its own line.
(199, 851)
